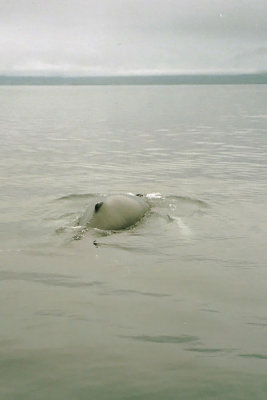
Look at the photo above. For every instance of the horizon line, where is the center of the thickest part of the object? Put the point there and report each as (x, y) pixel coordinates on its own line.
(140, 79)
(131, 74)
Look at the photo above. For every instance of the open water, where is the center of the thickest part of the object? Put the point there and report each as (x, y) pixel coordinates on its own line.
(173, 308)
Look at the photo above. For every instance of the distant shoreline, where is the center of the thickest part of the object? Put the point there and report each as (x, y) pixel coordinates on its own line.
(199, 79)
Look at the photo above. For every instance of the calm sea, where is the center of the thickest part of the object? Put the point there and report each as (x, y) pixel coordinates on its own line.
(174, 308)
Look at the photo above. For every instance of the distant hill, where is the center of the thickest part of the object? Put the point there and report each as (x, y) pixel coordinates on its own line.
(216, 79)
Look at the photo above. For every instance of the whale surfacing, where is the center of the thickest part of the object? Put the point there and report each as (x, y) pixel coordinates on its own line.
(118, 212)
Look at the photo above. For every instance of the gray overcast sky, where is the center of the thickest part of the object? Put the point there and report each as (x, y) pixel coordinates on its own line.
(88, 37)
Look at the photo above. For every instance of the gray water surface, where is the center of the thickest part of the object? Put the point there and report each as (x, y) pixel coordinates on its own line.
(173, 308)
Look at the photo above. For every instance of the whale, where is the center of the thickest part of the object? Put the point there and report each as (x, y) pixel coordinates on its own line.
(118, 212)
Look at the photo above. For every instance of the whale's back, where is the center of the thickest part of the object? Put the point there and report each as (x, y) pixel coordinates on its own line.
(118, 212)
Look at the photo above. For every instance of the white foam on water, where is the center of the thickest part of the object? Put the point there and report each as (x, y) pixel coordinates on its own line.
(182, 226)
(155, 195)
(10, 250)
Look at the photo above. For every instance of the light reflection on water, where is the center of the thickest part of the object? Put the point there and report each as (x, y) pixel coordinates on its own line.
(172, 308)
